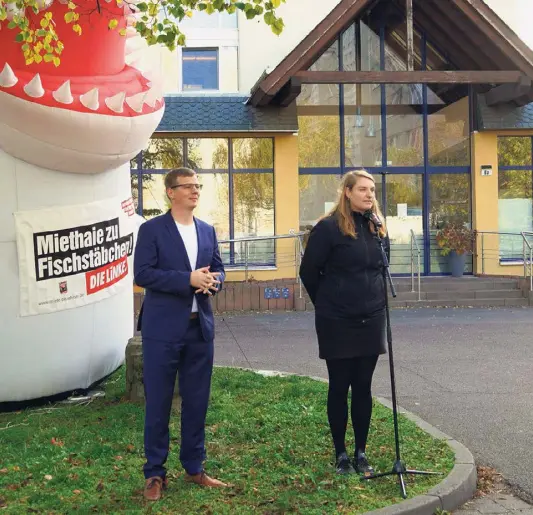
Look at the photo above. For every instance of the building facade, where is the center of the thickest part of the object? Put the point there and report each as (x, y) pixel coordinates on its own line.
(272, 127)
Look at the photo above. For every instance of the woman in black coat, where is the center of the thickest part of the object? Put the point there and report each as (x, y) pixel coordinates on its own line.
(342, 271)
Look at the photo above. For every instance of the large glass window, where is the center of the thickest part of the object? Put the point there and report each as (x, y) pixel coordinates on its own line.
(515, 194)
(449, 202)
(448, 129)
(318, 194)
(318, 117)
(404, 194)
(319, 129)
(415, 137)
(200, 69)
(238, 189)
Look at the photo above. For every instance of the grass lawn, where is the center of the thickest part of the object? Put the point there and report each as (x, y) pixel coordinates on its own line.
(268, 437)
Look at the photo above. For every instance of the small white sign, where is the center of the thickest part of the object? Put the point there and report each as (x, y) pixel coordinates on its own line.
(402, 210)
(486, 170)
(328, 206)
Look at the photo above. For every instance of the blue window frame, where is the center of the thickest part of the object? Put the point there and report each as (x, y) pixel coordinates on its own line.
(515, 195)
(199, 69)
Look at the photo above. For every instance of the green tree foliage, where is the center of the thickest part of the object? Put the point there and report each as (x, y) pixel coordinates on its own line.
(158, 21)
(515, 151)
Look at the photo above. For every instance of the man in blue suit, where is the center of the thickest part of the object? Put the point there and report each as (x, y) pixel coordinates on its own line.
(177, 261)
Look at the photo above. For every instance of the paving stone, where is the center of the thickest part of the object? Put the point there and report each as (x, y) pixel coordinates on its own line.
(511, 502)
(486, 506)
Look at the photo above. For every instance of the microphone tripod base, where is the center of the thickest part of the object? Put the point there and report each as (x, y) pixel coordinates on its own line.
(399, 469)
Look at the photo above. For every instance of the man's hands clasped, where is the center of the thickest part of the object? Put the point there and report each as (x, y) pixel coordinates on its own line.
(205, 281)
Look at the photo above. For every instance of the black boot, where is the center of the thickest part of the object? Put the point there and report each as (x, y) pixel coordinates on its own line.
(344, 465)
(361, 464)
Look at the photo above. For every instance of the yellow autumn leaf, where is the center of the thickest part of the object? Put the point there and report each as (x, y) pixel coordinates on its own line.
(113, 24)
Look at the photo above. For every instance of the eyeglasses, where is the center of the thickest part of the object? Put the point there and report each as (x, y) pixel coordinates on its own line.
(188, 186)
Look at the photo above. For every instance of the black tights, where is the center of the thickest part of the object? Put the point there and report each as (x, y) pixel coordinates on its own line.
(357, 373)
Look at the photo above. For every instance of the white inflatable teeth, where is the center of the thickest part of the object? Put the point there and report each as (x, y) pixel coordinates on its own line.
(136, 102)
(34, 88)
(8, 78)
(90, 99)
(63, 95)
(116, 102)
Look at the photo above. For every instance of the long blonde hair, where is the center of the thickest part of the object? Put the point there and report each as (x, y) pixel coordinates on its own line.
(342, 210)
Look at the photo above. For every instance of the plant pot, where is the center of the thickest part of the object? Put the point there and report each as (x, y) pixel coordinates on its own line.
(457, 263)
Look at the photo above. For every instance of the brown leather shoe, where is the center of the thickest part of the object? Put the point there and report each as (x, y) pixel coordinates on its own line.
(153, 487)
(203, 479)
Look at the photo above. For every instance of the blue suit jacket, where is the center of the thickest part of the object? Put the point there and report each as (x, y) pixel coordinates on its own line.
(162, 267)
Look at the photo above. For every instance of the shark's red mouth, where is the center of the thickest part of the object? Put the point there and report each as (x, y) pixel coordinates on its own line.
(91, 113)
(93, 75)
(127, 93)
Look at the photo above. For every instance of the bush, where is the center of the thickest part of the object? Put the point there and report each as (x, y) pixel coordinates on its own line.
(456, 238)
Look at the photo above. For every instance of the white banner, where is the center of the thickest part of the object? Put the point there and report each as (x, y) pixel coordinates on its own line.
(70, 256)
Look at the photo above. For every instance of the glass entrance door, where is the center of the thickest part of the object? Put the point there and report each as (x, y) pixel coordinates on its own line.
(404, 202)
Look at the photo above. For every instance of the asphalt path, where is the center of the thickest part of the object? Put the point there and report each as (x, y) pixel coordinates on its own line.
(468, 372)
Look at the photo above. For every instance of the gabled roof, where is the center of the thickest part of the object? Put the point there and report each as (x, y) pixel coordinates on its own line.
(472, 34)
(223, 113)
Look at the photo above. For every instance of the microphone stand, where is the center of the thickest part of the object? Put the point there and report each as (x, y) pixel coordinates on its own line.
(398, 469)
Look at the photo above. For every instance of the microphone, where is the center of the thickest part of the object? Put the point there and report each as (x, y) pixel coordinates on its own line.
(372, 217)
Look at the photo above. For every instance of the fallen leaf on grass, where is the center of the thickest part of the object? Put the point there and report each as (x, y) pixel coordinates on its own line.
(13, 487)
(59, 443)
(74, 477)
(3, 471)
(16, 469)
(77, 492)
(48, 477)
(130, 447)
(118, 458)
(100, 486)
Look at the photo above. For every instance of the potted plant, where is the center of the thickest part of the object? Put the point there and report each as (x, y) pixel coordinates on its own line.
(456, 241)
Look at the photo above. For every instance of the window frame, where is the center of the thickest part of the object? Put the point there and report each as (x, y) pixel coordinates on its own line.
(138, 172)
(186, 50)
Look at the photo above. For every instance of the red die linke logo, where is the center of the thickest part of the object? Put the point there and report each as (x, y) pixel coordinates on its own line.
(128, 207)
(98, 251)
(106, 276)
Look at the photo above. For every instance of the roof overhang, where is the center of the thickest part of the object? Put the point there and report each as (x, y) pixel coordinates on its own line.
(486, 51)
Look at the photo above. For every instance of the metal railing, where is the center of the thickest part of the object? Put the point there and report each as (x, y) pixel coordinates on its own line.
(266, 255)
(415, 247)
(527, 255)
(511, 247)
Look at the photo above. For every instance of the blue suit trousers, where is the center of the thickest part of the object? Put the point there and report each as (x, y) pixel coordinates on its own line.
(192, 359)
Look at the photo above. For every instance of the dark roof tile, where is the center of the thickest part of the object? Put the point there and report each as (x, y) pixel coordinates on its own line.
(505, 116)
(224, 113)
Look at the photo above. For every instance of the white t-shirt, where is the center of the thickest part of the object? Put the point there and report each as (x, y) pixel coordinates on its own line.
(190, 239)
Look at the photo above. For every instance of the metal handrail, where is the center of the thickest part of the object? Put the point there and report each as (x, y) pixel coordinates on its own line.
(291, 235)
(264, 238)
(414, 245)
(527, 267)
(527, 248)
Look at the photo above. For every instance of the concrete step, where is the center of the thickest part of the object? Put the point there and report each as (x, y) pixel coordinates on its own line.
(449, 302)
(459, 295)
(432, 284)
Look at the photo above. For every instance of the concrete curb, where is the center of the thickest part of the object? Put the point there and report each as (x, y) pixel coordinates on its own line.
(455, 490)
(451, 493)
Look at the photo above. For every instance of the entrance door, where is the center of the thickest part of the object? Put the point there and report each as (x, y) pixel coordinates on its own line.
(404, 202)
